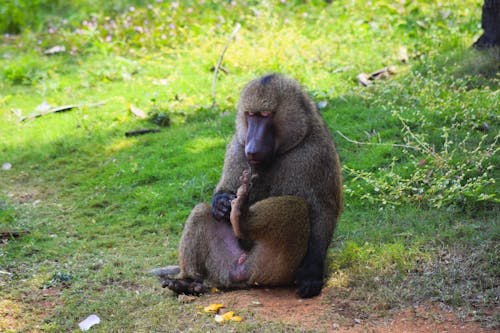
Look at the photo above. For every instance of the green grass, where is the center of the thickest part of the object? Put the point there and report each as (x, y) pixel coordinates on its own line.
(102, 208)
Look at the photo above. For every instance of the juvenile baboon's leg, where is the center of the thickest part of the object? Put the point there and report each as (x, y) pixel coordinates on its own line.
(208, 251)
(281, 224)
(239, 205)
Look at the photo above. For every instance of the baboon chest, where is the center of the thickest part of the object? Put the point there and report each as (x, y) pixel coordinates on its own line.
(260, 189)
(266, 185)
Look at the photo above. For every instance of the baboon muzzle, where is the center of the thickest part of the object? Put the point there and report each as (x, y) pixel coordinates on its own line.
(259, 144)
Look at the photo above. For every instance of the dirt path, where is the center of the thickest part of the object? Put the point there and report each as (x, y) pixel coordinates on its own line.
(325, 313)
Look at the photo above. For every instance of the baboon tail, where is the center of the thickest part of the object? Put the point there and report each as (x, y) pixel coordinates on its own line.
(166, 272)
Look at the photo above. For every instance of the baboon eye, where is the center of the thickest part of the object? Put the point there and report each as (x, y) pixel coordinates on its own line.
(263, 114)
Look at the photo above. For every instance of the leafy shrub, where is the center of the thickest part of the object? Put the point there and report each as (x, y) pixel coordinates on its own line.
(14, 15)
(448, 149)
(456, 174)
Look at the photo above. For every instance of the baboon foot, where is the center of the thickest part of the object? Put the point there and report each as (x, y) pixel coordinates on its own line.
(309, 288)
(238, 203)
(242, 193)
(184, 286)
(245, 182)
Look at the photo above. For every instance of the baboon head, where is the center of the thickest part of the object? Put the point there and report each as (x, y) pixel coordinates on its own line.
(272, 118)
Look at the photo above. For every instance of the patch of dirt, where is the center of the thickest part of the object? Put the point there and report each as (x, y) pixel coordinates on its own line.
(36, 305)
(336, 314)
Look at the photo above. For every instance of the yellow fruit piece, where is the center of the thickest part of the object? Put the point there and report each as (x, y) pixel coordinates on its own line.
(213, 307)
(236, 318)
(226, 316)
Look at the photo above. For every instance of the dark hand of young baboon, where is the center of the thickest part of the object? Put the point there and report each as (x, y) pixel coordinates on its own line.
(281, 135)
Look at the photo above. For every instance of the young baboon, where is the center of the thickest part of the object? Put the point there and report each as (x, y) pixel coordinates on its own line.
(281, 136)
(210, 254)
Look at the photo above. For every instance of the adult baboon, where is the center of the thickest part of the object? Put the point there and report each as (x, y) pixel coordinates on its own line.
(281, 136)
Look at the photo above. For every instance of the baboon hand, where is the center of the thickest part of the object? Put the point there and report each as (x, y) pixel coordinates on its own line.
(309, 279)
(221, 205)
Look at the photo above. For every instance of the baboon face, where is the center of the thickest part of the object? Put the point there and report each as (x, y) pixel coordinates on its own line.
(265, 105)
(259, 142)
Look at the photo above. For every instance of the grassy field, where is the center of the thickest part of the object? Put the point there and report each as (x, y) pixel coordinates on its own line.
(95, 210)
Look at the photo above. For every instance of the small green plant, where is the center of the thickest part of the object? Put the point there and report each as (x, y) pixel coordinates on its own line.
(449, 168)
(26, 70)
(159, 118)
(61, 279)
(7, 215)
(385, 260)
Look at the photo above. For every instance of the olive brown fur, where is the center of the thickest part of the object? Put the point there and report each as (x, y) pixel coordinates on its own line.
(281, 136)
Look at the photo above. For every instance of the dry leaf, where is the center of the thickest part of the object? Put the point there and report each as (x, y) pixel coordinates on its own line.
(55, 49)
(403, 54)
(422, 25)
(364, 79)
(138, 112)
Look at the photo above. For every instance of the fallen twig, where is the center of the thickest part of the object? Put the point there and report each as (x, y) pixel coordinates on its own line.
(63, 108)
(375, 143)
(13, 234)
(141, 132)
(366, 79)
(219, 62)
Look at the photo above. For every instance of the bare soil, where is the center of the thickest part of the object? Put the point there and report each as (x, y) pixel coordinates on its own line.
(329, 314)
